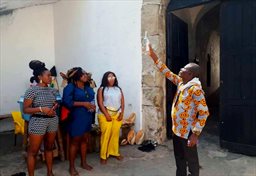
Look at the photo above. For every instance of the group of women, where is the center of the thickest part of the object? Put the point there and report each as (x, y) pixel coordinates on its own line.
(78, 97)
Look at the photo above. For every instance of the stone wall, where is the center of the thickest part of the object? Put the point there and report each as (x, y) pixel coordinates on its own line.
(153, 82)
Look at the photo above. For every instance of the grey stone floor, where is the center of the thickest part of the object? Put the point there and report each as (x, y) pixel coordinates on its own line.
(214, 160)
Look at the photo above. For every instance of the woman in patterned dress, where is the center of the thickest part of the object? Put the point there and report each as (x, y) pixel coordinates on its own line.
(40, 102)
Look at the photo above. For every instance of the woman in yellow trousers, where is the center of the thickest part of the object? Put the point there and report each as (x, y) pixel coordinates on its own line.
(111, 108)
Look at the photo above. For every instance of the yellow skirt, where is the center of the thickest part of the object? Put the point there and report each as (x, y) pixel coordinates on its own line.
(110, 131)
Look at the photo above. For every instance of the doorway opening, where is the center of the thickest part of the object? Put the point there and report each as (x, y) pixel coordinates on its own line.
(193, 36)
(221, 39)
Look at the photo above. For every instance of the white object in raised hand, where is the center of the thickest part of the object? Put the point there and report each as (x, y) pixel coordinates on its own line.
(146, 43)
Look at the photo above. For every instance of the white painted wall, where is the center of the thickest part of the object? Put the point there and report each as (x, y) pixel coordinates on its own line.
(25, 34)
(101, 36)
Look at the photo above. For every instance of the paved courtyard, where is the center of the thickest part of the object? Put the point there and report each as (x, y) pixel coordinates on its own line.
(213, 160)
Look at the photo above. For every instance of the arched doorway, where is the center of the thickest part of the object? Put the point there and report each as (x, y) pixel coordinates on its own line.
(221, 38)
(207, 50)
(193, 36)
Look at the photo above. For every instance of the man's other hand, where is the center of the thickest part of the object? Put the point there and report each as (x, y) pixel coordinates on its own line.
(192, 140)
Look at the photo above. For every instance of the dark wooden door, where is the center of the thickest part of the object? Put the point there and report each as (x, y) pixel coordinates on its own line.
(238, 76)
(177, 57)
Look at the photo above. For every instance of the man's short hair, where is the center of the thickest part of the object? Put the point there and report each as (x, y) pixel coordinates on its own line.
(195, 69)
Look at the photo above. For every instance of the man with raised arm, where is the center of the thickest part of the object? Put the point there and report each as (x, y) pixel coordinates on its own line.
(189, 114)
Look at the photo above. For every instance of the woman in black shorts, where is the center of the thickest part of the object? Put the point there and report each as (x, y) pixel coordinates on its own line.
(40, 102)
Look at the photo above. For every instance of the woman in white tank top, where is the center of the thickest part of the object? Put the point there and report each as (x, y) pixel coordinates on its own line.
(111, 109)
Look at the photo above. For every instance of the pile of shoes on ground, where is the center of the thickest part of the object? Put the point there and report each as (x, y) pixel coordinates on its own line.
(129, 136)
(148, 146)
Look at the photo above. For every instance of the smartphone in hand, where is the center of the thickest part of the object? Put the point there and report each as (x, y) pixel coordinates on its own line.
(55, 106)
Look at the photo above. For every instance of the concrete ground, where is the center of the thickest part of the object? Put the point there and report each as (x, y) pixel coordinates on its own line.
(213, 160)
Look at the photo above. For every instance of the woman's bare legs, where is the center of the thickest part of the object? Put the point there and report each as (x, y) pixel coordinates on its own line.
(83, 151)
(34, 145)
(49, 140)
(73, 148)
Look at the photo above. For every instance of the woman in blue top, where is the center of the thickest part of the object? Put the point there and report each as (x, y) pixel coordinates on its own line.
(77, 96)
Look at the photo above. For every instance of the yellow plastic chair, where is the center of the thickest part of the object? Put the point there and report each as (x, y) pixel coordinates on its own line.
(18, 124)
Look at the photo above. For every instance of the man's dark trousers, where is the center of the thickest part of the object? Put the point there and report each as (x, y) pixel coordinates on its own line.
(185, 156)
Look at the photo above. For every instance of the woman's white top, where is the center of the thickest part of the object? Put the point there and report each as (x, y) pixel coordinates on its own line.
(112, 98)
